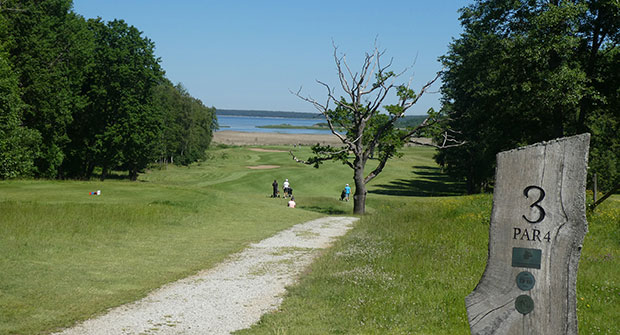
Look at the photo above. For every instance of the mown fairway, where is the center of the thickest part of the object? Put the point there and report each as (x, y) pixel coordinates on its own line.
(405, 268)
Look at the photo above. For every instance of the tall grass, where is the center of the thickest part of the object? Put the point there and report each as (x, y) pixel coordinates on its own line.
(598, 279)
(404, 270)
(407, 269)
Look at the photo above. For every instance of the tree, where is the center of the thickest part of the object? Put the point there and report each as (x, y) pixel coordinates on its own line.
(370, 131)
(524, 72)
(18, 144)
(188, 125)
(48, 48)
(120, 126)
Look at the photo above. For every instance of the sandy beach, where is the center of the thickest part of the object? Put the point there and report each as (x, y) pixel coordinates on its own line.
(260, 138)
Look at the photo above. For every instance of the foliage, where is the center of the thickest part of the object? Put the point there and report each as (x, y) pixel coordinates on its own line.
(48, 48)
(187, 125)
(410, 121)
(17, 143)
(78, 95)
(524, 72)
(119, 88)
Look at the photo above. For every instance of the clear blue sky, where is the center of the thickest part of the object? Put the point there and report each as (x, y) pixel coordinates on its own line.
(249, 54)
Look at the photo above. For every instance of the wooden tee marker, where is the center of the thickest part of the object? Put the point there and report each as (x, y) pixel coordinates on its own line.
(538, 223)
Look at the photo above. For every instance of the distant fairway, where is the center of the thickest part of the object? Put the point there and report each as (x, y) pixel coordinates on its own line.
(67, 255)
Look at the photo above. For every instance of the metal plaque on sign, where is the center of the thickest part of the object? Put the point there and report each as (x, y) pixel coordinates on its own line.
(524, 304)
(526, 258)
(525, 281)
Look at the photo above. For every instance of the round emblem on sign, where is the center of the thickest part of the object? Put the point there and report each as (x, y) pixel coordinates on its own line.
(525, 281)
(524, 304)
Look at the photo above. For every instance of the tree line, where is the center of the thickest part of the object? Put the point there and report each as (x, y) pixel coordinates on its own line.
(529, 71)
(81, 97)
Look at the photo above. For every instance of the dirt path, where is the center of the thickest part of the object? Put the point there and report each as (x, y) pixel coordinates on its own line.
(231, 296)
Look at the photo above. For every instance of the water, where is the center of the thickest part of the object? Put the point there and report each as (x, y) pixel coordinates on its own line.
(249, 123)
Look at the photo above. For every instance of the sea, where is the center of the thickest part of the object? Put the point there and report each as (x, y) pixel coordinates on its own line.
(249, 123)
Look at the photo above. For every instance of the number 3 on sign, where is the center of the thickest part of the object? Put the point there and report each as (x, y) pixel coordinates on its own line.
(536, 205)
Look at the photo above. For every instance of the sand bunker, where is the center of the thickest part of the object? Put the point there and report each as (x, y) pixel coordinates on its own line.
(262, 167)
(266, 150)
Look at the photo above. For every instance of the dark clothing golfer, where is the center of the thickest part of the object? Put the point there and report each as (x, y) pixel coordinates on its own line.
(275, 189)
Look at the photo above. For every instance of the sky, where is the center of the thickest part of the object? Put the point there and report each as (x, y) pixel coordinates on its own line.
(250, 55)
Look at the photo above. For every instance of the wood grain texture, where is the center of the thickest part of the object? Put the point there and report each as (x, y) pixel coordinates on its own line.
(559, 168)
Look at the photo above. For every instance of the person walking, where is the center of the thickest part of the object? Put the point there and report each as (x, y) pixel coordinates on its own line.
(347, 191)
(285, 187)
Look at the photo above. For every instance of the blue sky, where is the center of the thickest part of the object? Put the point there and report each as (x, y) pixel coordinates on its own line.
(250, 54)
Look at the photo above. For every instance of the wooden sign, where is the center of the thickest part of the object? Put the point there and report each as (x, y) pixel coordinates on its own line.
(538, 223)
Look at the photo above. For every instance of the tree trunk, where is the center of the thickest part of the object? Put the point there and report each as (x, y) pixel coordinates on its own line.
(104, 172)
(133, 174)
(359, 197)
(89, 171)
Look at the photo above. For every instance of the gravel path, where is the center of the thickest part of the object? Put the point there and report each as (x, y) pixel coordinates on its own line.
(229, 297)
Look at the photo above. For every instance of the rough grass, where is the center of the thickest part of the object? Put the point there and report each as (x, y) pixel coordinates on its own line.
(407, 269)
(404, 270)
(598, 281)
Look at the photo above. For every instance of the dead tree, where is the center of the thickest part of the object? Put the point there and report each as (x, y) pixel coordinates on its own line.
(369, 125)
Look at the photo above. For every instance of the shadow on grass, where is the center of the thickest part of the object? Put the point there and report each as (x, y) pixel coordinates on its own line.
(427, 181)
(325, 210)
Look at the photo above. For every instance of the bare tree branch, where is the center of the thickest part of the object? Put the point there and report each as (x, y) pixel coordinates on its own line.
(341, 77)
(316, 160)
(323, 110)
(423, 90)
(442, 146)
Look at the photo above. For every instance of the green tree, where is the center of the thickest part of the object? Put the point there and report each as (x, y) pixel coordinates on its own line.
(120, 126)
(48, 49)
(18, 144)
(519, 75)
(188, 125)
(370, 131)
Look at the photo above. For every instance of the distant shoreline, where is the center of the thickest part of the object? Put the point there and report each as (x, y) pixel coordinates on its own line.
(405, 121)
(257, 113)
(318, 126)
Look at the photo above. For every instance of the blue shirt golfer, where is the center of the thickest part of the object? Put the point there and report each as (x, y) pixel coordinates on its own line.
(347, 191)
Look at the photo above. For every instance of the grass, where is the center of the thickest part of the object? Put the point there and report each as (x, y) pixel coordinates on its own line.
(405, 268)
(598, 281)
(67, 255)
(405, 271)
